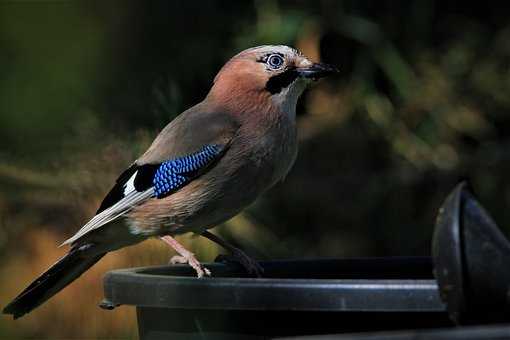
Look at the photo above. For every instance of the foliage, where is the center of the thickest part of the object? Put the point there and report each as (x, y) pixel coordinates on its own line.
(422, 102)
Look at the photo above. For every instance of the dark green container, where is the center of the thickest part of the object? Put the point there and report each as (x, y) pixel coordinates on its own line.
(296, 297)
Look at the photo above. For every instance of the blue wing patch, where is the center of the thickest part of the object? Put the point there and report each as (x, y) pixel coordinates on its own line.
(165, 177)
(173, 174)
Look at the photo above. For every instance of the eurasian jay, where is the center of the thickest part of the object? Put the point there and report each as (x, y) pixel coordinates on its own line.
(204, 167)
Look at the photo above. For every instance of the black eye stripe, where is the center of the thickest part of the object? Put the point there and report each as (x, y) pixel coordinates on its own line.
(280, 81)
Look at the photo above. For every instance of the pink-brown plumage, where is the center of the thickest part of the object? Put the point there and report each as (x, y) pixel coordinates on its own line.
(248, 122)
(261, 151)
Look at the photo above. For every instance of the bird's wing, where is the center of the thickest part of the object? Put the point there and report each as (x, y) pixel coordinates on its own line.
(185, 149)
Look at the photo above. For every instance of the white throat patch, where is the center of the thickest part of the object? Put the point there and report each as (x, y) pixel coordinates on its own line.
(286, 99)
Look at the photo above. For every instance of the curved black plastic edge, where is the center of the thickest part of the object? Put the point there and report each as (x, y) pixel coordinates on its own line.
(471, 259)
(156, 287)
(447, 253)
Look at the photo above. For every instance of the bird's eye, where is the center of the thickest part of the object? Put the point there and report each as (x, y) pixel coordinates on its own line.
(275, 61)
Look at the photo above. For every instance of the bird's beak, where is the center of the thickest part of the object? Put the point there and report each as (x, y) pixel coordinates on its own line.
(316, 71)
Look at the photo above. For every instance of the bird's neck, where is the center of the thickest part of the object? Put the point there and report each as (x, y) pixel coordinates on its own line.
(286, 100)
(247, 103)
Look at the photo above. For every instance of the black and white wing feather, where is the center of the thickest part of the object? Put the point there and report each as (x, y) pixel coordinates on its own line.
(142, 182)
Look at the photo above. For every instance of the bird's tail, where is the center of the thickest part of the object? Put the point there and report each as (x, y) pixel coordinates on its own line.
(58, 276)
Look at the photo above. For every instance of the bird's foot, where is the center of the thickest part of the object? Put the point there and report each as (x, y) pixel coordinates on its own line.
(250, 265)
(185, 256)
(191, 260)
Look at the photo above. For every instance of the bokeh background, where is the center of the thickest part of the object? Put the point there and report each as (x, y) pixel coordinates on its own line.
(422, 101)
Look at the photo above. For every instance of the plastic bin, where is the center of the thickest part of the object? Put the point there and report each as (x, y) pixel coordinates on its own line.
(296, 297)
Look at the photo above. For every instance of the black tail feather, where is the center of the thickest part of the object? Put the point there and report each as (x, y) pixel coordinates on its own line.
(56, 278)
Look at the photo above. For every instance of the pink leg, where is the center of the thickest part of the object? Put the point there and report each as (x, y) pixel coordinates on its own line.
(185, 256)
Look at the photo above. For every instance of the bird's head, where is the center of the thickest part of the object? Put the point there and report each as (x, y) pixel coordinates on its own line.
(267, 75)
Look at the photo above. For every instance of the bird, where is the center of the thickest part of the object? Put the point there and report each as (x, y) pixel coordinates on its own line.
(203, 168)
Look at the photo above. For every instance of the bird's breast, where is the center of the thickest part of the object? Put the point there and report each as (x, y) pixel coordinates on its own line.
(271, 149)
(259, 156)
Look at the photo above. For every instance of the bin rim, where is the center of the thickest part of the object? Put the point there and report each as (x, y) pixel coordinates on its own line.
(141, 287)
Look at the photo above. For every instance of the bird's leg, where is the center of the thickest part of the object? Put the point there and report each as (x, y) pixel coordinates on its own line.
(252, 266)
(185, 256)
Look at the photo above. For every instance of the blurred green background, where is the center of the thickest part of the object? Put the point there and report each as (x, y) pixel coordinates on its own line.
(423, 101)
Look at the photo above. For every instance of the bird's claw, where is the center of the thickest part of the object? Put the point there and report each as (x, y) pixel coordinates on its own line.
(191, 260)
(249, 264)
